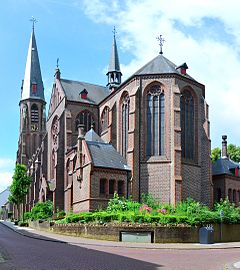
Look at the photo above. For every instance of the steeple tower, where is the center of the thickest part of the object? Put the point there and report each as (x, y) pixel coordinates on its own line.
(32, 84)
(32, 105)
(114, 73)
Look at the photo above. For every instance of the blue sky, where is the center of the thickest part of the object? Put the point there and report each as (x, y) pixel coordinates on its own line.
(79, 33)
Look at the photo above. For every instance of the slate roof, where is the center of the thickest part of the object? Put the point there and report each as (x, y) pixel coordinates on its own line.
(4, 196)
(224, 166)
(32, 73)
(72, 89)
(160, 65)
(104, 154)
(114, 60)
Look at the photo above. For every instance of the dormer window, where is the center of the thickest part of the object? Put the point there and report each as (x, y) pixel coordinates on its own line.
(84, 94)
(183, 68)
(34, 88)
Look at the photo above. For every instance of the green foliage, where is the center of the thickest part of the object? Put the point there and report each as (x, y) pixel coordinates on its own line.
(234, 152)
(42, 210)
(20, 185)
(188, 212)
(215, 154)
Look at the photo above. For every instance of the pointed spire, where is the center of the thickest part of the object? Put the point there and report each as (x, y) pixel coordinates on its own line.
(114, 73)
(32, 85)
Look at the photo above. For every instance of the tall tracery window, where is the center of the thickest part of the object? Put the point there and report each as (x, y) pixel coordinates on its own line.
(187, 125)
(84, 118)
(125, 124)
(105, 118)
(155, 121)
(34, 113)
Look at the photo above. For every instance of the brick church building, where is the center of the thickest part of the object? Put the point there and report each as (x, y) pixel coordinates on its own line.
(148, 134)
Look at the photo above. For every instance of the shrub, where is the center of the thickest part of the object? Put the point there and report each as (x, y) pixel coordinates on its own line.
(42, 210)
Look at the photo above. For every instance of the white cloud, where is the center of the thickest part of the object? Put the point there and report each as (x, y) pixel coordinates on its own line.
(5, 180)
(212, 51)
(6, 172)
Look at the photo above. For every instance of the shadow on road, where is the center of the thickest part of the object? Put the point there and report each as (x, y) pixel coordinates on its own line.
(20, 252)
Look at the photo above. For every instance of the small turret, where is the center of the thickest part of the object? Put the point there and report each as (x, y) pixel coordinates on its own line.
(114, 73)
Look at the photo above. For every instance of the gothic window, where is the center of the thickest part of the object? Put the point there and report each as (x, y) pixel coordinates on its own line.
(105, 118)
(55, 131)
(52, 172)
(187, 125)
(234, 197)
(230, 195)
(34, 113)
(155, 121)
(67, 172)
(84, 118)
(125, 124)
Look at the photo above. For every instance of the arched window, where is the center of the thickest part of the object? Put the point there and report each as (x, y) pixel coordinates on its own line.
(84, 118)
(187, 125)
(67, 172)
(52, 172)
(155, 121)
(55, 131)
(105, 118)
(34, 113)
(234, 197)
(125, 124)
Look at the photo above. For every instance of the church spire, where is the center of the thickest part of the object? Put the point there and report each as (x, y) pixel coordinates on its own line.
(114, 73)
(32, 86)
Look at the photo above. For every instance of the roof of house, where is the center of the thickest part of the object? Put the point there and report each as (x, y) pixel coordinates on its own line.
(160, 65)
(4, 196)
(224, 166)
(72, 89)
(104, 154)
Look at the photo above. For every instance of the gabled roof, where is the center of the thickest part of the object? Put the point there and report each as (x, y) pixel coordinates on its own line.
(72, 89)
(92, 136)
(160, 65)
(103, 154)
(224, 166)
(4, 196)
(32, 73)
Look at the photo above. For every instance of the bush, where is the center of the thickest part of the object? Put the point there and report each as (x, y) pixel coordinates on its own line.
(27, 215)
(42, 210)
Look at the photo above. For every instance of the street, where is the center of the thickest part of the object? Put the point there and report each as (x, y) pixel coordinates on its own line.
(19, 252)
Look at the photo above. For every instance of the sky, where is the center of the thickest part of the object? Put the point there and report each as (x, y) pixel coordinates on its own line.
(203, 33)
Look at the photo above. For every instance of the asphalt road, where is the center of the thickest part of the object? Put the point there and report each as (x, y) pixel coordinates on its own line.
(18, 252)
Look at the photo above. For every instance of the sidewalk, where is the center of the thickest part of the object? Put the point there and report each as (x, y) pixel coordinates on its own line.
(80, 241)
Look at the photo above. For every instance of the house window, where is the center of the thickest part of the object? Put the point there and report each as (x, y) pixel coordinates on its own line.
(120, 187)
(230, 195)
(219, 194)
(234, 197)
(84, 118)
(111, 186)
(105, 118)
(187, 125)
(34, 113)
(155, 122)
(125, 125)
(103, 185)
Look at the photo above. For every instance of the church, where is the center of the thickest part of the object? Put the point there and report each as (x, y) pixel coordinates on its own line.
(148, 134)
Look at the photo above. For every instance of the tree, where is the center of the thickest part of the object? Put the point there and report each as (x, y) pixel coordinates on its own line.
(234, 152)
(20, 186)
(215, 154)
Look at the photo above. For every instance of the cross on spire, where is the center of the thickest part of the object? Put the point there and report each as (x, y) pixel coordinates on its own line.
(33, 20)
(114, 31)
(57, 62)
(161, 41)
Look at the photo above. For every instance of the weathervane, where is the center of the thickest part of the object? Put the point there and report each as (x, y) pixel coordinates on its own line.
(161, 41)
(33, 20)
(114, 31)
